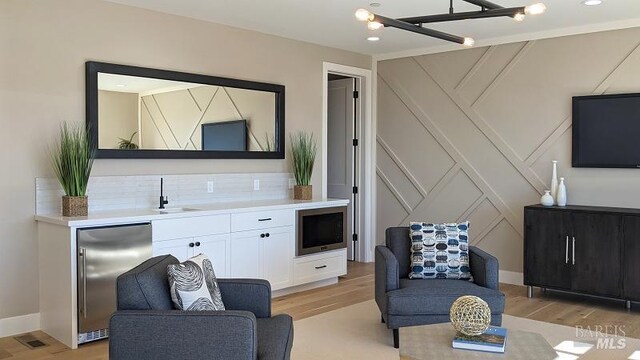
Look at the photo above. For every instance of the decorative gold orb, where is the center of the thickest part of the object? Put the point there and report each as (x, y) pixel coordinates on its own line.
(470, 315)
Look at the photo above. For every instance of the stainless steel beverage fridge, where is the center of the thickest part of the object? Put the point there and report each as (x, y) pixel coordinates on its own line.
(103, 254)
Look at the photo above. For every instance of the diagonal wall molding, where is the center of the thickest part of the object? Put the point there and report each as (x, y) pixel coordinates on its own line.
(448, 146)
(421, 91)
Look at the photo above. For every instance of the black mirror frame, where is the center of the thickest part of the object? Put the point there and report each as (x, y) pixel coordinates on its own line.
(92, 69)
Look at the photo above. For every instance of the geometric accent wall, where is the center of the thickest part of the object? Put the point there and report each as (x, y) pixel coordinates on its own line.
(470, 134)
(172, 120)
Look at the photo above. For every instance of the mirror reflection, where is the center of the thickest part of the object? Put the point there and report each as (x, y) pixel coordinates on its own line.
(156, 114)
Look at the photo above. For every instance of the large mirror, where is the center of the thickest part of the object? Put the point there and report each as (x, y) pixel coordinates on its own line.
(135, 112)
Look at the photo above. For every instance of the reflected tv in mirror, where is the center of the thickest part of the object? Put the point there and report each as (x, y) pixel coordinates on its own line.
(606, 131)
(225, 136)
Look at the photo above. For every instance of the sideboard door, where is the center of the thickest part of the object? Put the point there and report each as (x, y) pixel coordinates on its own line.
(598, 263)
(631, 258)
(545, 249)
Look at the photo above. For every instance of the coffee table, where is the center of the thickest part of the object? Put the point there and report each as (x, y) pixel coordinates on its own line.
(434, 342)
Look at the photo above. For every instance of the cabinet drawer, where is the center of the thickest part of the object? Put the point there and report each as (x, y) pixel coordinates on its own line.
(320, 267)
(189, 227)
(261, 220)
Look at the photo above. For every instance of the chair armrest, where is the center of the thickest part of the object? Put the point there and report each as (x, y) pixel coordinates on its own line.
(484, 268)
(386, 275)
(187, 335)
(247, 294)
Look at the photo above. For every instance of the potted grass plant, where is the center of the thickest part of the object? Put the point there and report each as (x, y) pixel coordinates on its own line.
(72, 158)
(303, 151)
(128, 144)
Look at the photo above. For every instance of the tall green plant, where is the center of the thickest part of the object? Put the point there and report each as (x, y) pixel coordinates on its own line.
(303, 150)
(72, 158)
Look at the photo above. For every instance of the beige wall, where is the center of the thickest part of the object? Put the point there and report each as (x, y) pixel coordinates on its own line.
(118, 114)
(43, 48)
(471, 134)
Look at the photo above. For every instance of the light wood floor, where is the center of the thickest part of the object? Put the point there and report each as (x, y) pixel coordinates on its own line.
(356, 287)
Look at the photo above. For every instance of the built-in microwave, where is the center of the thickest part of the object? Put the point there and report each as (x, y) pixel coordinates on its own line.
(321, 229)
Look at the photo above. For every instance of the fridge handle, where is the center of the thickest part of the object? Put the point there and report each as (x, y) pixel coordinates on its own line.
(82, 254)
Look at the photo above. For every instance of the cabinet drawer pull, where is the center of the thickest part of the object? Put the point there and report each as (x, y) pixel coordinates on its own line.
(198, 243)
(265, 219)
(262, 235)
(191, 244)
(566, 251)
(574, 250)
(267, 234)
(321, 267)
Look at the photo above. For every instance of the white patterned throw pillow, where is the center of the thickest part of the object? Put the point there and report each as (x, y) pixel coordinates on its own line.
(439, 251)
(194, 286)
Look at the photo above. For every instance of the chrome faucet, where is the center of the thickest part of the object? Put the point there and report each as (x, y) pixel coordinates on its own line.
(164, 200)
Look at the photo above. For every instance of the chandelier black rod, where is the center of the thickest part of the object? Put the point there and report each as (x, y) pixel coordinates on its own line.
(389, 22)
(510, 12)
(484, 4)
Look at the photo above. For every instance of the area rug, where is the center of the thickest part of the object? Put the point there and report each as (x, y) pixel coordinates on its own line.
(355, 332)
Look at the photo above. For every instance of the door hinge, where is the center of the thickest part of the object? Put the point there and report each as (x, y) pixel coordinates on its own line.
(355, 189)
(355, 142)
(355, 237)
(355, 94)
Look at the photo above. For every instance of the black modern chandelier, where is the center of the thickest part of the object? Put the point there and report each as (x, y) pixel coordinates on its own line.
(415, 24)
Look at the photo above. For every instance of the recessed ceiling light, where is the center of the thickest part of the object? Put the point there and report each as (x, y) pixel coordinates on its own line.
(121, 85)
(592, 2)
(373, 38)
(374, 4)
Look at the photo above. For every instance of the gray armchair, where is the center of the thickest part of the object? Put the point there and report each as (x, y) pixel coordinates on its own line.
(146, 327)
(404, 302)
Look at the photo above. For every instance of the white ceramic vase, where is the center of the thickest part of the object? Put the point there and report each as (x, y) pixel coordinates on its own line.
(554, 181)
(561, 198)
(546, 199)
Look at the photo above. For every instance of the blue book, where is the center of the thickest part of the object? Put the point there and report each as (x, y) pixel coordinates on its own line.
(492, 340)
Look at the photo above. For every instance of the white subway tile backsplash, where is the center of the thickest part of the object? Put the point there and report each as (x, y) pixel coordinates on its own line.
(142, 192)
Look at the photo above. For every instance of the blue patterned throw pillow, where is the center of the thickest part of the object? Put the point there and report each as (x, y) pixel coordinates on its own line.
(439, 251)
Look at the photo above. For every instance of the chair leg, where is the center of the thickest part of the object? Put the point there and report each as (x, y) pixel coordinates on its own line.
(381, 318)
(396, 338)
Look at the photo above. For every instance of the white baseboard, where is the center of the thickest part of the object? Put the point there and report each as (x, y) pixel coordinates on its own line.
(19, 324)
(511, 277)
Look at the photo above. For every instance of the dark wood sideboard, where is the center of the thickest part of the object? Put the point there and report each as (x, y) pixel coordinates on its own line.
(583, 249)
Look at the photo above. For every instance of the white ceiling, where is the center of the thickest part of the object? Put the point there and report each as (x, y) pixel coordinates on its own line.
(332, 22)
(139, 85)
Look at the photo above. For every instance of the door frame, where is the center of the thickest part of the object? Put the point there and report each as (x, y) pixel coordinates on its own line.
(366, 175)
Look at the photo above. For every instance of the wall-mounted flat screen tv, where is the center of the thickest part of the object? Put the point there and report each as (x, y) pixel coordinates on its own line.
(606, 131)
(226, 135)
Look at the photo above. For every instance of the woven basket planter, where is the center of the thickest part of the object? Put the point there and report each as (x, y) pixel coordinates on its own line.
(75, 206)
(302, 192)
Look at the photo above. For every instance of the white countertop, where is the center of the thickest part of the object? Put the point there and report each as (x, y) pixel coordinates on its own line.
(144, 215)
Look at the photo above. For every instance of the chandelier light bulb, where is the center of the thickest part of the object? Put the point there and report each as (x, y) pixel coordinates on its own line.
(374, 25)
(468, 41)
(518, 17)
(364, 15)
(535, 9)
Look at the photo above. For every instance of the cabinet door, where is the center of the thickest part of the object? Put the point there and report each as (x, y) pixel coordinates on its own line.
(631, 267)
(244, 258)
(546, 249)
(598, 263)
(176, 247)
(216, 247)
(276, 256)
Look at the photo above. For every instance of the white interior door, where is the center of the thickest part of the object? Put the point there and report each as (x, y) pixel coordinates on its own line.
(340, 166)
